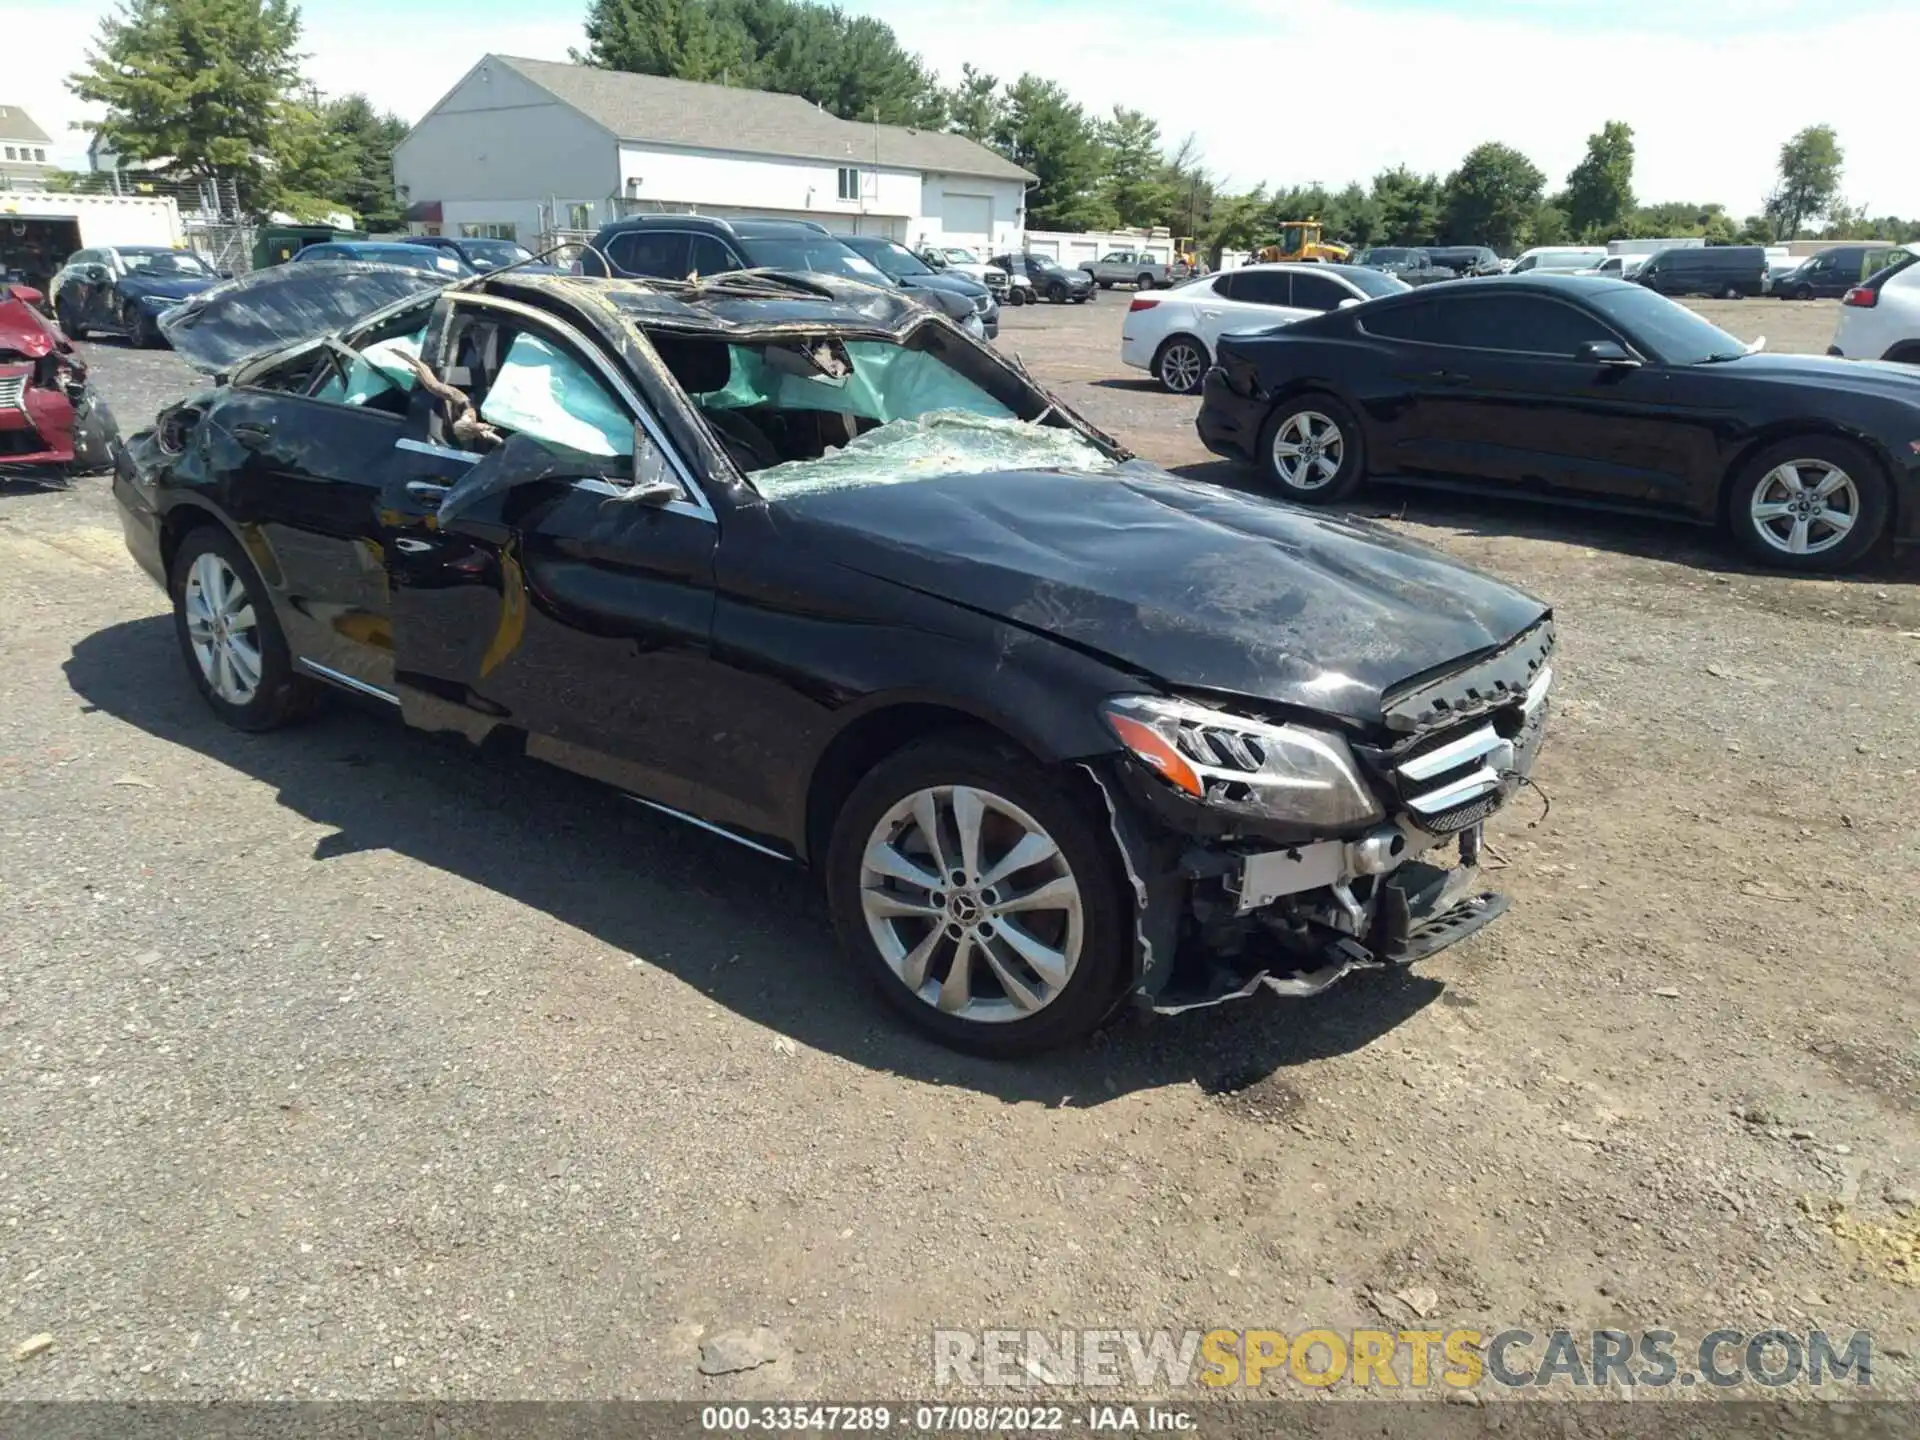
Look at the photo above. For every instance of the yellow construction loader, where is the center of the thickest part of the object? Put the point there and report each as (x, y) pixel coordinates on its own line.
(1300, 240)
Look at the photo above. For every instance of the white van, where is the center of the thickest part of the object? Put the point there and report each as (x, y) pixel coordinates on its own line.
(1560, 257)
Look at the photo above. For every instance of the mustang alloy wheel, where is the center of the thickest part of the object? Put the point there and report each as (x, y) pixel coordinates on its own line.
(982, 896)
(1817, 503)
(1312, 450)
(1307, 450)
(230, 636)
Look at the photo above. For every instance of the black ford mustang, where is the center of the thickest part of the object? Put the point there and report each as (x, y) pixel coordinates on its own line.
(793, 559)
(1584, 390)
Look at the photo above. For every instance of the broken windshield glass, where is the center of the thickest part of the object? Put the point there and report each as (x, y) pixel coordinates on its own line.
(881, 381)
(945, 442)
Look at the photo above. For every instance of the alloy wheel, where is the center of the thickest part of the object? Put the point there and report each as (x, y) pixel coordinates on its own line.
(1181, 367)
(1308, 449)
(972, 904)
(223, 630)
(1805, 507)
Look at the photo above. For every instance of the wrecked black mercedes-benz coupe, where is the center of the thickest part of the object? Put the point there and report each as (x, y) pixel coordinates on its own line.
(795, 560)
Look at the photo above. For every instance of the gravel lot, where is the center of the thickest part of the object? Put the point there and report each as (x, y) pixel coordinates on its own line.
(340, 1062)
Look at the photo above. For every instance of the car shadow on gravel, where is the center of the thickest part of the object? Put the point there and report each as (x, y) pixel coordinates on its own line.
(1519, 518)
(748, 932)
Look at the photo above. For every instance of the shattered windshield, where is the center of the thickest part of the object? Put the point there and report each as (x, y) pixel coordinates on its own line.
(824, 411)
(940, 442)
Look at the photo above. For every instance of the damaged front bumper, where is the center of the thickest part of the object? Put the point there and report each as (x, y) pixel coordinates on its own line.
(1223, 916)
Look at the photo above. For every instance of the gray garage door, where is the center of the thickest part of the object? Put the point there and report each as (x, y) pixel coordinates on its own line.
(966, 219)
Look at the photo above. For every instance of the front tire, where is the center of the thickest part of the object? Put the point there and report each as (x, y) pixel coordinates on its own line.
(1312, 450)
(231, 639)
(1812, 504)
(1180, 364)
(981, 895)
(1057, 293)
(74, 329)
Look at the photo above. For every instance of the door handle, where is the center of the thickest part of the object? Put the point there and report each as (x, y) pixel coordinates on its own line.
(412, 547)
(1447, 377)
(426, 490)
(252, 436)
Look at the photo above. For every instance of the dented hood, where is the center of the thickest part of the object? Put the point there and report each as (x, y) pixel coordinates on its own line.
(1195, 586)
(284, 305)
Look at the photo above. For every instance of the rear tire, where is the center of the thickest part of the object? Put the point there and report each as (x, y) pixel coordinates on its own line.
(1731, 292)
(230, 637)
(1180, 364)
(1002, 1004)
(1145, 282)
(1298, 441)
(1788, 495)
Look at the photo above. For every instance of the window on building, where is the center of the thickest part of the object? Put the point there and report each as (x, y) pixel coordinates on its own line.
(849, 183)
(39, 154)
(580, 217)
(14, 154)
(489, 230)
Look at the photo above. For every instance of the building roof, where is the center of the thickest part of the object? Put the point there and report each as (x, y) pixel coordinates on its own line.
(16, 124)
(643, 108)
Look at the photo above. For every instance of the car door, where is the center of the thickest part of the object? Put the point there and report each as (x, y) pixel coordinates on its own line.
(1253, 300)
(1510, 405)
(99, 307)
(313, 447)
(534, 590)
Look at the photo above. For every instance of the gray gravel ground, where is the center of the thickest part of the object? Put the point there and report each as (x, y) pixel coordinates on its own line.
(340, 1062)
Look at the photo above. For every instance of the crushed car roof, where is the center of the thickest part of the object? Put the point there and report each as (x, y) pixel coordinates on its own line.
(286, 305)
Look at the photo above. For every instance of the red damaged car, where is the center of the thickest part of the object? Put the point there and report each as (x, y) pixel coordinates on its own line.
(51, 422)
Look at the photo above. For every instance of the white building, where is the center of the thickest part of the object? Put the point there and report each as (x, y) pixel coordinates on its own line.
(23, 151)
(523, 148)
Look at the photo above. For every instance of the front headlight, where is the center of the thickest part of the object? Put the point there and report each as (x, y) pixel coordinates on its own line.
(1278, 772)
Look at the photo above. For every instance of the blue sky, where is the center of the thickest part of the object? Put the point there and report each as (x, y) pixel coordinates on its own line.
(1282, 91)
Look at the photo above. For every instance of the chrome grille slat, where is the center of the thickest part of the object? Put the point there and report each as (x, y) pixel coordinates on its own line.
(13, 392)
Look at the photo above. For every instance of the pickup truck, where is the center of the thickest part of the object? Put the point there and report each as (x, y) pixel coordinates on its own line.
(1132, 267)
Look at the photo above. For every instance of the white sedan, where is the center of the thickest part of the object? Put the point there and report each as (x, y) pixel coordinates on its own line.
(1171, 333)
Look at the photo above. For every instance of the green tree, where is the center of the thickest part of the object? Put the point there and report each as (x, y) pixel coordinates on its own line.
(1491, 198)
(852, 65)
(1409, 207)
(1599, 194)
(687, 39)
(1046, 132)
(1136, 188)
(208, 85)
(1550, 224)
(366, 138)
(1236, 222)
(1810, 165)
(974, 105)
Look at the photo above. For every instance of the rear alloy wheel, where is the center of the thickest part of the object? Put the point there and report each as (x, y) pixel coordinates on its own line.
(139, 326)
(1312, 450)
(230, 636)
(1181, 364)
(1145, 282)
(1812, 504)
(981, 897)
(1731, 292)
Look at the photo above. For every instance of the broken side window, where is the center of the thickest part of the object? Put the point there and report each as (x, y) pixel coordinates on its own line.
(542, 391)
